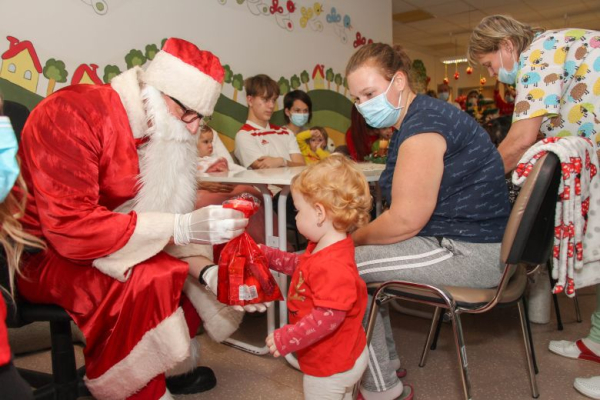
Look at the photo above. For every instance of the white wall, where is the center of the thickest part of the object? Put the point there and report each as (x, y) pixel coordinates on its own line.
(72, 31)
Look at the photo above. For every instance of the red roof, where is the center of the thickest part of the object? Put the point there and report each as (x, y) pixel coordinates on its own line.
(90, 70)
(16, 47)
(318, 68)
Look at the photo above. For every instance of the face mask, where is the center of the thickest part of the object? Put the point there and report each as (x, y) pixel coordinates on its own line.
(9, 168)
(509, 99)
(299, 119)
(444, 96)
(504, 76)
(378, 111)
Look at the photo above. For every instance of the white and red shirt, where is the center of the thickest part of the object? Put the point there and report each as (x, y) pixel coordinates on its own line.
(253, 141)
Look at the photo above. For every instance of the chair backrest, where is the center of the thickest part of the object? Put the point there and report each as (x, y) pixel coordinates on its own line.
(530, 230)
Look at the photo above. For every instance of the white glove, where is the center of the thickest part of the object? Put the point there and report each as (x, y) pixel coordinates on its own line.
(211, 277)
(209, 225)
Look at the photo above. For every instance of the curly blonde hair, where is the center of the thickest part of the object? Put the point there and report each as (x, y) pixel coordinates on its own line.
(12, 236)
(494, 30)
(340, 187)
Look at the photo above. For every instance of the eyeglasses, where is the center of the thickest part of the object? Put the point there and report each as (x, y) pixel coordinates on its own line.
(189, 115)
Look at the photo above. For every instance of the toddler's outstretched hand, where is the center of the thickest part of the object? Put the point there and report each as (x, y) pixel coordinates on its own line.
(270, 340)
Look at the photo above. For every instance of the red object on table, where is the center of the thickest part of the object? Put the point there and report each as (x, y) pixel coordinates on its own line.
(244, 275)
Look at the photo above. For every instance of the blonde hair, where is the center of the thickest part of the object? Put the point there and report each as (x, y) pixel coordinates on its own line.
(388, 59)
(495, 29)
(12, 236)
(340, 187)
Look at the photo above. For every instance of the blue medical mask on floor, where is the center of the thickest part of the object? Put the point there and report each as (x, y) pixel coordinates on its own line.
(504, 76)
(378, 111)
(444, 96)
(9, 167)
(299, 119)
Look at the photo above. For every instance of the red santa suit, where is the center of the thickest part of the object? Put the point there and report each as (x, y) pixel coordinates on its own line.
(103, 188)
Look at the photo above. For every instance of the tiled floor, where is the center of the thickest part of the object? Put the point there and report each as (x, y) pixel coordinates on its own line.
(494, 348)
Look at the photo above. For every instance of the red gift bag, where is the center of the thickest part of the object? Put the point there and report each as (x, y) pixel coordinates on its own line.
(244, 275)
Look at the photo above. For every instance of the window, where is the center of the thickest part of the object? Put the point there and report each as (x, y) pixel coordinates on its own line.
(27, 75)
(12, 68)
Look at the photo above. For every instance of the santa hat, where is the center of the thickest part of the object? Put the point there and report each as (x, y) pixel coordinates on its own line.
(183, 71)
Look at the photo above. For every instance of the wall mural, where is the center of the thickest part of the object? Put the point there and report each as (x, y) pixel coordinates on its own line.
(21, 69)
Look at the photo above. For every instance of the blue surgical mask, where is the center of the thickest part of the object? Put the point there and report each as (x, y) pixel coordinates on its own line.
(444, 96)
(378, 111)
(508, 77)
(299, 119)
(9, 167)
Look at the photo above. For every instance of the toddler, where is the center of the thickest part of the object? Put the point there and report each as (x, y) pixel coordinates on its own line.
(313, 144)
(207, 160)
(327, 299)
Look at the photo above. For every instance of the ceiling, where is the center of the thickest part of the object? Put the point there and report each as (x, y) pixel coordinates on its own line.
(441, 28)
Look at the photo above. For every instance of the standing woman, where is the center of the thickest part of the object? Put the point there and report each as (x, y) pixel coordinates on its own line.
(444, 181)
(297, 111)
(557, 78)
(556, 74)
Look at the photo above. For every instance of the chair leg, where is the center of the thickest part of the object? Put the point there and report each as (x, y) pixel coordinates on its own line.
(435, 323)
(64, 368)
(559, 324)
(461, 352)
(437, 331)
(530, 336)
(528, 349)
(577, 310)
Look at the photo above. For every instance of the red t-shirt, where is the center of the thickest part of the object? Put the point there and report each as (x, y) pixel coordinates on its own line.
(4, 349)
(329, 279)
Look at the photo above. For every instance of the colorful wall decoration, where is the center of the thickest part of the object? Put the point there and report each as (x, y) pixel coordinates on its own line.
(302, 44)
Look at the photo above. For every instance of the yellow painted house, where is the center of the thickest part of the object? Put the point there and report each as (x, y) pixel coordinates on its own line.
(318, 77)
(86, 74)
(20, 64)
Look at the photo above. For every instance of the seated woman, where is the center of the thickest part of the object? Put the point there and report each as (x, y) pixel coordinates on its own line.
(214, 157)
(444, 182)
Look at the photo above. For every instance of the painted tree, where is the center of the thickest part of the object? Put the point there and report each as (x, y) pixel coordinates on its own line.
(238, 84)
(345, 83)
(135, 57)
(304, 77)
(329, 77)
(228, 74)
(338, 81)
(295, 82)
(110, 71)
(54, 71)
(284, 85)
(151, 51)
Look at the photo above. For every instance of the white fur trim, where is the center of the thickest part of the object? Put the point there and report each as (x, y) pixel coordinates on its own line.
(188, 84)
(219, 320)
(190, 362)
(167, 162)
(128, 86)
(589, 275)
(152, 233)
(158, 351)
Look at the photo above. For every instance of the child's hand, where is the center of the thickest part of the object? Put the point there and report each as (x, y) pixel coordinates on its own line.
(271, 345)
(219, 166)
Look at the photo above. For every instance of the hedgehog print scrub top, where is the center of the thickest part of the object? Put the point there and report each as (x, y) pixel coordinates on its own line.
(559, 79)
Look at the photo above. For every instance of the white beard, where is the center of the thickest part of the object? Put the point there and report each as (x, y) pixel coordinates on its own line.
(167, 162)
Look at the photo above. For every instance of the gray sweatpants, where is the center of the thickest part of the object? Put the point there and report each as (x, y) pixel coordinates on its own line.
(423, 260)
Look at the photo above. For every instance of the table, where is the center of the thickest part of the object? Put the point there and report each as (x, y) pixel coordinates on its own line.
(262, 178)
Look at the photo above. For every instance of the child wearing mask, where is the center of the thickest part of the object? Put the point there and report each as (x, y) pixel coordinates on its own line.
(327, 298)
(313, 144)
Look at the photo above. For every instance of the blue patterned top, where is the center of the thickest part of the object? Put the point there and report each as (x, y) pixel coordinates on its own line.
(472, 203)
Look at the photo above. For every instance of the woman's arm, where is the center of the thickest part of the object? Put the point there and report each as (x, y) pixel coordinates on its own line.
(415, 186)
(521, 136)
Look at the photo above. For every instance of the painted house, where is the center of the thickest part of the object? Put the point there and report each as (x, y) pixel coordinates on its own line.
(318, 76)
(86, 74)
(20, 64)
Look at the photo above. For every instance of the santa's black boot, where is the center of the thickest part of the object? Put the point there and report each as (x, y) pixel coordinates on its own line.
(200, 379)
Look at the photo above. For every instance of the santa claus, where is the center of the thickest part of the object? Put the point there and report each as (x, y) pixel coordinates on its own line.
(111, 173)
